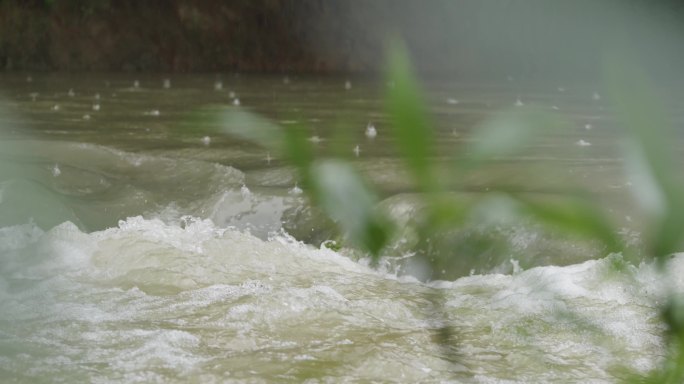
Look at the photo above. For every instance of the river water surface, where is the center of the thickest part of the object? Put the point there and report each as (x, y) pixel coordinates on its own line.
(138, 244)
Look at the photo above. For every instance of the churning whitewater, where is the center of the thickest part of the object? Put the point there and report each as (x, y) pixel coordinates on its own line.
(148, 301)
(141, 245)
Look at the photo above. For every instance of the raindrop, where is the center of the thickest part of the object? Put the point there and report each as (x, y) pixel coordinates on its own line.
(245, 191)
(295, 190)
(371, 132)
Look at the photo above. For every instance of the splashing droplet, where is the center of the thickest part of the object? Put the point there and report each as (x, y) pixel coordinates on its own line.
(371, 132)
(56, 171)
(246, 193)
(295, 190)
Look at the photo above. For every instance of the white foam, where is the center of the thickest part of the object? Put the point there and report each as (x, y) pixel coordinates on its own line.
(159, 300)
(19, 236)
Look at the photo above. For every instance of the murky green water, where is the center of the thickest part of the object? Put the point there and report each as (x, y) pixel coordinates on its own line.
(140, 245)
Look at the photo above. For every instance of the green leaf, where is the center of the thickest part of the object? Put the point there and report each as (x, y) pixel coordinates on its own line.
(650, 156)
(447, 211)
(409, 121)
(509, 132)
(250, 127)
(574, 215)
(639, 109)
(340, 191)
(299, 152)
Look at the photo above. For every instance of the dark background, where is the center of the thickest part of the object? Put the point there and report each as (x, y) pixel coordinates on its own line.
(464, 38)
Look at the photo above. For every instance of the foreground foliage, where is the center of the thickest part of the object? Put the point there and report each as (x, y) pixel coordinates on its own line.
(340, 190)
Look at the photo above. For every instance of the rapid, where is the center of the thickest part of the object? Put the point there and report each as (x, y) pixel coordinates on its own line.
(137, 244)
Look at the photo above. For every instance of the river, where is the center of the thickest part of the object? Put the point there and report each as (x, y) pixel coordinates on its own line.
(139, 244)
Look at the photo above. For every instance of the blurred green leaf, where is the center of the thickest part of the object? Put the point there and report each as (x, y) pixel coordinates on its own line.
(341, 192)
(575, 216)
(447, 211)
(299, 152)
(508, 132)
(670, 237)
(650, 156)
(409, 120)
(250, 127)
(640, 111)
(645, 187)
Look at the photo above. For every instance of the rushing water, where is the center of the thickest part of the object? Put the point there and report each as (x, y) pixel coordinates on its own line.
(140, 245)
